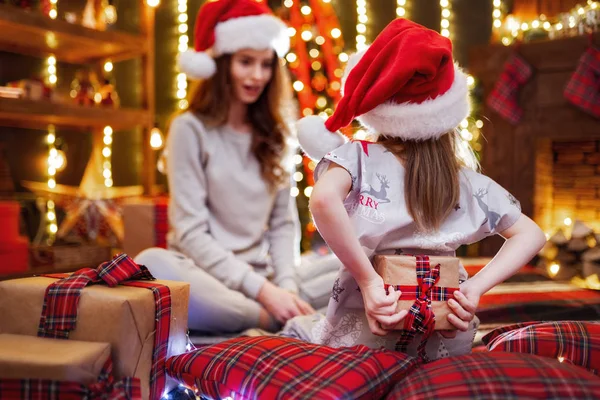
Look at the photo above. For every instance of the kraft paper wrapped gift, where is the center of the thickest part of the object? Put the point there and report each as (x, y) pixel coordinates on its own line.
(23, 357)
(122, 316)
(398, 270)
(145, 224)
(44, 368)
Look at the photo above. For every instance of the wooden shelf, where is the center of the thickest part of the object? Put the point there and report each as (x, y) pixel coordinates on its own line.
(35, 34)
(38, 114)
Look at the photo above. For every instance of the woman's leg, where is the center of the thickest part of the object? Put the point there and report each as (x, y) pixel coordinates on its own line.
(316, 276)
(213, 307)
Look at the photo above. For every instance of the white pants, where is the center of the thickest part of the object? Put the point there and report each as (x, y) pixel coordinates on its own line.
(215, 308)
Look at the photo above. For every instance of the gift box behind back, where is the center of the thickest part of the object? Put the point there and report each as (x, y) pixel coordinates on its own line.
(401, 270)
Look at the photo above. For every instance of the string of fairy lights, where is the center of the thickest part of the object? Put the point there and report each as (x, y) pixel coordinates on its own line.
(55, 161)
(106, 156)
(497, 13)
(361, 26)
(401, 8)
(182, 46)
(446, 16)
(53, 12)
(510, 28)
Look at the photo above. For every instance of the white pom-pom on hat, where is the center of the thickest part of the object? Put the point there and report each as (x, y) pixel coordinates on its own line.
(315, 139)
(196, 64)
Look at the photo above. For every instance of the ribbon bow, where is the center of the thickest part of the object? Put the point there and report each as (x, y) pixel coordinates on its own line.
(421, 318)
(59, 313)
(106, 387)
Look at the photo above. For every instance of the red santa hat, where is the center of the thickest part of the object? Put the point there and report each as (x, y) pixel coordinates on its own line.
(404, 85)
(226, 26)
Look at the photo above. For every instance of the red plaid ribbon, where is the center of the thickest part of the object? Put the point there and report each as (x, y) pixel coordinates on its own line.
(127, 388)
(421, 318)
(161, 223)
(59, 312)
(409, 292)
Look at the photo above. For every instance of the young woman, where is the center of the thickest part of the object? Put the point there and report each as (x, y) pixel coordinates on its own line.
(234, 225)
(407, 193)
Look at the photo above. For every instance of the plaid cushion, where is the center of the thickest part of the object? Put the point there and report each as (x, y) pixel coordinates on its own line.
(583, 89)
(497, 376)
(574, 342)
(267, 367)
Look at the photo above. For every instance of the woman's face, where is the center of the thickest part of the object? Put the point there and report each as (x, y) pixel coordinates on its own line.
(251, 71)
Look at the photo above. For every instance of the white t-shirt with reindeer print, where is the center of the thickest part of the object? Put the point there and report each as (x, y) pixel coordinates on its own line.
(377, 209)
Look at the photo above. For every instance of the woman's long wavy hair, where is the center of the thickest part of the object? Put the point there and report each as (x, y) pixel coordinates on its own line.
(270, 116)
(431, 184)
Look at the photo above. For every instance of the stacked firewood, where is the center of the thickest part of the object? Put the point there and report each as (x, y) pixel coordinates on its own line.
(572, 255)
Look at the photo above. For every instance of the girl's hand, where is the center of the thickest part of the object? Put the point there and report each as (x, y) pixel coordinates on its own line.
(463, 306)
(380, 308)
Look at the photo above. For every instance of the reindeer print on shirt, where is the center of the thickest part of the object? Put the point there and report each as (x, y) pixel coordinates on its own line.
(491, 216)
(381, 194)
(370, 200)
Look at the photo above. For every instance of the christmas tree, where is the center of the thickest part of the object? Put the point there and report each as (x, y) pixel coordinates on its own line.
(315, 62)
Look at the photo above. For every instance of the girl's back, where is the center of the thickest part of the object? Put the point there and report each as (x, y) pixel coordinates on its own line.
(377, 207)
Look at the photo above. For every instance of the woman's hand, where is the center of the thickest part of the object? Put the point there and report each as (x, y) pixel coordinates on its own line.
(281, 303)
(380, 308)
(303, 306)
(463, 308)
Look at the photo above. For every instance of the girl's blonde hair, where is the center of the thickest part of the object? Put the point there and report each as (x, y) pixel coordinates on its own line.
(270, 115)
(431, 184)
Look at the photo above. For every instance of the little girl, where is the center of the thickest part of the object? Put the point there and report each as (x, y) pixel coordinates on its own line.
(406, 193)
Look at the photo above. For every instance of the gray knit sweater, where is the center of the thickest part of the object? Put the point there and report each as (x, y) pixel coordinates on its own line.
(222, 214)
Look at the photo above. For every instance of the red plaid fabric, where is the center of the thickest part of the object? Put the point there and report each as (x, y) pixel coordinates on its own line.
(421, 318)
(583, 89)
(161, 223)
(162, 300)
(436, 293)
(59, 312)
(45, 389)
(284, 368)
(573, 342)
(504, 98)
(497, 376)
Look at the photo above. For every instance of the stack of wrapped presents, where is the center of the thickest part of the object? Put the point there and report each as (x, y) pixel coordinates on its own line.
(102, 332)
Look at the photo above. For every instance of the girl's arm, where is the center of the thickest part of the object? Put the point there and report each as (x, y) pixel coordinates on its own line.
(524, 239)
(331, 218)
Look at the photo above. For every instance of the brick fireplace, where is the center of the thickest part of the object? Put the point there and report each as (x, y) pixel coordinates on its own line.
(550, 161)
(567, 183)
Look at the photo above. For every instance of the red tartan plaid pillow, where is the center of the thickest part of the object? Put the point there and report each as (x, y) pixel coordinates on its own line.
(497, 376)
(280, 368)
(573, 342)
